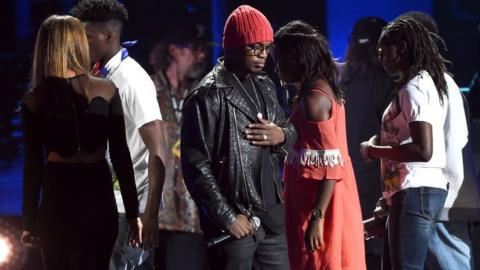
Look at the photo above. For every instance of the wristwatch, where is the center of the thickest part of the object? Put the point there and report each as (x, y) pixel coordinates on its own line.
(317, 213)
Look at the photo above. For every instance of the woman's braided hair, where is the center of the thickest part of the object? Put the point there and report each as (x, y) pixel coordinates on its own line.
(421, 51)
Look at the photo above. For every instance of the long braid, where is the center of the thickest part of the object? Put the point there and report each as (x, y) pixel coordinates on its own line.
(421, 52)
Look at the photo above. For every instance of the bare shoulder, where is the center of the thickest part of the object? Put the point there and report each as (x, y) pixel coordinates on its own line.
(317, 105)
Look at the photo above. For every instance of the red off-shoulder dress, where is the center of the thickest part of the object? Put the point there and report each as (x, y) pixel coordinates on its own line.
(321, 153)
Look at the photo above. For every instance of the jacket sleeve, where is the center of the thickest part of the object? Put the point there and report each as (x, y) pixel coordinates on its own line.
(33, 166)
(120, 157)
(200, 116)
(282, 122)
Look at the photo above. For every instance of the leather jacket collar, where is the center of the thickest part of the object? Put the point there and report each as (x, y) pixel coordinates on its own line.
(225, 79)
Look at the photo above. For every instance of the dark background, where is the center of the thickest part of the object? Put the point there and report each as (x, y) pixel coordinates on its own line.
(458, 21)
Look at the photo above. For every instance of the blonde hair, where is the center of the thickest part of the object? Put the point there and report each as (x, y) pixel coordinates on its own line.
(61, 46)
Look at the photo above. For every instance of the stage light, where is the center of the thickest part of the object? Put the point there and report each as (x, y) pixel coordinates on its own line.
(12, 252)
(5, 250)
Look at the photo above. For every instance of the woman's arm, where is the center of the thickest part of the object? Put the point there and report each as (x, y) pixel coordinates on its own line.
(33, 167)
(317, 108)
(419, 150)
(314, 234)
(120, 156)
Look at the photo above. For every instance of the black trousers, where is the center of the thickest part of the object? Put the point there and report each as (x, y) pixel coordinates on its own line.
(78, 216)
(180, 250)
(261, 251)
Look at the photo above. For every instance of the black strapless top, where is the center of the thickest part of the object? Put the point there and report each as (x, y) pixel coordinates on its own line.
(67, 123)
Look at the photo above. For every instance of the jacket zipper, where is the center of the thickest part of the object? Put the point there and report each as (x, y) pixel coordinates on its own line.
(261, 178)
(275, 181)
(271, 162)
(241, 163)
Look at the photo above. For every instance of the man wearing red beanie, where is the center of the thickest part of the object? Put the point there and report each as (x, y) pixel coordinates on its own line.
(232, 133)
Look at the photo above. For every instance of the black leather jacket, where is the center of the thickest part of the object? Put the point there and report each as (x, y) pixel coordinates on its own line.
(219, 164)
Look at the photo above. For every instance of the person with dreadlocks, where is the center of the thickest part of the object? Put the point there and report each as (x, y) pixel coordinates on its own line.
(412, 147)
(450, 245)
(323, 217)
(103, 21)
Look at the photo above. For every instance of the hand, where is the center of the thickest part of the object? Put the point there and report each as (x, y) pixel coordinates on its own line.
(265, 133)
(149, 232)
(380, 211)
(241, 227)
(364, 146)
(314, 235)
(134, 228)
(29, 239)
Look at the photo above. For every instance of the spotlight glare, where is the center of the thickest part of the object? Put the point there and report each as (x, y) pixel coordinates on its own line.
(5, 250)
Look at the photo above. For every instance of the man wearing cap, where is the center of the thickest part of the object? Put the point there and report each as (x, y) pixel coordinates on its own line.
(179, 63)
(232, 134)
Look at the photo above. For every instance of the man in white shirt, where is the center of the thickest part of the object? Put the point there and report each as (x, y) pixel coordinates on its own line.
(450, 247)
(103, 20)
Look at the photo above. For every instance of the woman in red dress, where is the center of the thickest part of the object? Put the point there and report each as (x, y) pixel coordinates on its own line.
(323, 216)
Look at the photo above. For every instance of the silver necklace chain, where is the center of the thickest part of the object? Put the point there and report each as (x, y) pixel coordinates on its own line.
(246, 93)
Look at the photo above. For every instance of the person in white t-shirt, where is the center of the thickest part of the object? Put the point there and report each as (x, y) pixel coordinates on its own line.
(103, 20)
(450, 246)
(412, 148)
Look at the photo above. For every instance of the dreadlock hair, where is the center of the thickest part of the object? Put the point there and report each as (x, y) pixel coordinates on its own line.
(424, 18)
(310, 56)
(361, 56)
(421, 51)
(100, 11)
(429, 23)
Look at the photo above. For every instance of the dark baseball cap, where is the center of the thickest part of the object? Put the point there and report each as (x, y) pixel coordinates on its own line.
(187, 35)
(367, 29)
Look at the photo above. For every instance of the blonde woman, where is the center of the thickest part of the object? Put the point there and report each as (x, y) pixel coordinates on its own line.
(68, 118)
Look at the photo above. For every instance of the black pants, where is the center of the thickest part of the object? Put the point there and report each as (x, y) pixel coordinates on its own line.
(261, 251)
(180, 250)
(78, 216)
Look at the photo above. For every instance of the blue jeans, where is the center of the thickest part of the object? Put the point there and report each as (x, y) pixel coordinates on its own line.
(450, 246)
(125, 257)
(411, 219)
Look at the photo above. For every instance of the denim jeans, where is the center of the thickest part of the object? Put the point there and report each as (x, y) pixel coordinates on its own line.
(411, 219)
(125, 257)
(260, 251)
(450, 247)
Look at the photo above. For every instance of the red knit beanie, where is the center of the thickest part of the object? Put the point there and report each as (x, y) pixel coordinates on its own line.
(246, 25)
